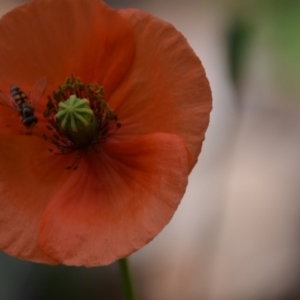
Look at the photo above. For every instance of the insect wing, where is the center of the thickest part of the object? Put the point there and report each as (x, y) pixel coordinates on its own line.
(37, 91)
(8, 101)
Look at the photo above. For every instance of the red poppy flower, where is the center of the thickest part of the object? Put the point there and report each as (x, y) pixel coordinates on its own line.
(91, 191)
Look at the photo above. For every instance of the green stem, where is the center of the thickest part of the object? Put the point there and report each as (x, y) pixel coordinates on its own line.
(126, 279)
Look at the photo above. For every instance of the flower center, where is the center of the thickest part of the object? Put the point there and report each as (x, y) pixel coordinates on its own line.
(78, 117)
(77, 120)
(74, 114)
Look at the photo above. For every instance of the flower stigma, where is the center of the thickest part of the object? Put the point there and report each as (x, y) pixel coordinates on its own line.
(78, 118)
(73, 113)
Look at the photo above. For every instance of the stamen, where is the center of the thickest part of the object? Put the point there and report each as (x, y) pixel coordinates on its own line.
(78, 117)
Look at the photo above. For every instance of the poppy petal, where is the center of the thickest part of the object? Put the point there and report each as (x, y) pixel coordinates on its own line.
(91, 41)
(166, 89)
(25, 195)
(10, 122)
(116, 202)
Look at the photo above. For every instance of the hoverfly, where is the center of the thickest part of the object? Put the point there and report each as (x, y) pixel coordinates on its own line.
(23, 104)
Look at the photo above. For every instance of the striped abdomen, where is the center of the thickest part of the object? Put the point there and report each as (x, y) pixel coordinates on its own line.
(19, 97)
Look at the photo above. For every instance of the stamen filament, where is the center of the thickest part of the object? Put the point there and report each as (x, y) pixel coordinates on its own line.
(79, 117)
